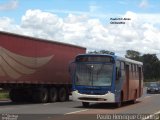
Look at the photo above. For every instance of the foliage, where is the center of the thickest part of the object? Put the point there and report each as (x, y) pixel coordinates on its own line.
(101, 52)
(151, 64)
(134, 55)
(4, 95)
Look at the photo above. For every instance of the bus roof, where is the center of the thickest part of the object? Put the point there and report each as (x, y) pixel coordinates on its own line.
(129, 60)
(115, 57)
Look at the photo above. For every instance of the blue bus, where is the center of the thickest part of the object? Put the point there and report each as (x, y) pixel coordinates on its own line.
(104, 78)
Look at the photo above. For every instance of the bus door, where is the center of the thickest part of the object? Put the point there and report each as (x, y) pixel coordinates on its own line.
(140, 79)
(127, 81)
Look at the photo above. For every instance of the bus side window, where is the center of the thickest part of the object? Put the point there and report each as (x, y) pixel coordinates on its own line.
(122, 65)
(118, 70)
(118, 73)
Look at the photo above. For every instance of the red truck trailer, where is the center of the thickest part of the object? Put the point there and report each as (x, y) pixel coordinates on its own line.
(35, 69)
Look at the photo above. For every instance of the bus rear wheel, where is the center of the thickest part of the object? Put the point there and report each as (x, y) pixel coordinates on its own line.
(85, 104)
(133, 101)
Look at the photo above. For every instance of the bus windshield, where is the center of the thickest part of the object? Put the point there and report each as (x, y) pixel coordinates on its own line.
(93, 74)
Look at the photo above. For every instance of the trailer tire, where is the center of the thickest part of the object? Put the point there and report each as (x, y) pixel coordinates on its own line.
(40, 95)
(62, 94)
(16, 95)
(12, 95)
(53, 95)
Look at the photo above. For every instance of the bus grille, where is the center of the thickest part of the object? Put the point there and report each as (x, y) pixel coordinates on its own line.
(92, 99)
(92, 93)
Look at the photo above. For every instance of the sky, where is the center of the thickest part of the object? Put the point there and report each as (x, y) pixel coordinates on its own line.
(89, 23)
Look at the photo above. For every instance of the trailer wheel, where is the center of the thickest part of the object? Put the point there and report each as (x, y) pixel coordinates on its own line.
(16, 95)
(53, 96)
(40, 95)
(85, 104)
(43, 95)
(62, 94)
(12, 95)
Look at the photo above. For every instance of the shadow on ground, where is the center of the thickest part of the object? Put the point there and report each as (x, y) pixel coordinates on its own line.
(108, 105)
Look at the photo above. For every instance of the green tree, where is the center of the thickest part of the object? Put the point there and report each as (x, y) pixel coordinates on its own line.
(101, 52)
(156, 70)
(151, 66)
(150, 58)
(134, 55)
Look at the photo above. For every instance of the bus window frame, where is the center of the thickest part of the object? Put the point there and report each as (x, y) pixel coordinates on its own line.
(107, 63)
(118, 70)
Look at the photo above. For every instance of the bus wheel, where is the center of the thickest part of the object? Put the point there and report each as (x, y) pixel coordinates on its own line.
(62, 94)
(85, 104)
(53, 96)
(118, 104)
(133, 101)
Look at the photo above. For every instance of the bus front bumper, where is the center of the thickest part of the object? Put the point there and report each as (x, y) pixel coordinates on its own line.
(106, 98)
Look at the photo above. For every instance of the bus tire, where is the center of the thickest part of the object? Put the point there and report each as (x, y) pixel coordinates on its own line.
(62, 94)
(119, 104)
(121, 96)
(135, 97)
(85, 104)
(53, 95)
(133, 101)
